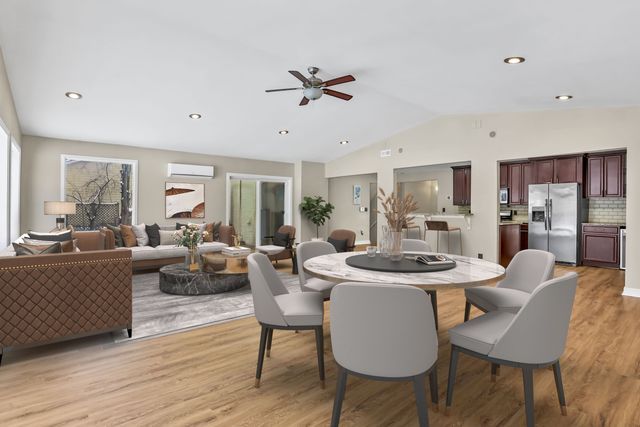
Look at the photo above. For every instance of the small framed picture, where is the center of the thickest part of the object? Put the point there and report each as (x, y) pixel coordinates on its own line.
(357, 194)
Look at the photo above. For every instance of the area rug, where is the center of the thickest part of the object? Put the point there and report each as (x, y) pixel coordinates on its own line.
(157, 313)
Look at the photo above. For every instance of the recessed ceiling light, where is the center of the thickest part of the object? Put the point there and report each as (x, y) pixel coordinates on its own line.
(564, 97)
(73, 95)
(514, 60)
(344, 142)
(195, 116)
(283, 132)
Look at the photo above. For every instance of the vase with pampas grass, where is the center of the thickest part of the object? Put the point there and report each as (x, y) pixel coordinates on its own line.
(397, 211)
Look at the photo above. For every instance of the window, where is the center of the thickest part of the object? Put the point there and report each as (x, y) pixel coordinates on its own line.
(4, 187)
(104, 190)
(14, 213)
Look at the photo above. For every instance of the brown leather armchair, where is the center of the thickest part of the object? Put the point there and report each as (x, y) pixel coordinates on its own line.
(287, 253)
(348, 235)
(46, 298)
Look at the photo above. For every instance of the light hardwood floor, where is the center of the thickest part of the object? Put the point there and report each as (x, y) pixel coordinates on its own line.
(205, 376)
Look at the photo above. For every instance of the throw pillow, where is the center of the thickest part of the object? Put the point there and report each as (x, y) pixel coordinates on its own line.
(179, 225)
(166, 237)
(281, 239)
(128, 236)
(117, 235)
(213, 228)
(153, 231)
(340, 245)
(51, 237)
(140, 231)
(24, 249)
(68, 246)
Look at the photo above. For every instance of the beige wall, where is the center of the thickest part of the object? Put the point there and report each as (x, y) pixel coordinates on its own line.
(309, 181)
(441, 173)
(7, 108)
(451, 139)
(346, 214)
(41, 177)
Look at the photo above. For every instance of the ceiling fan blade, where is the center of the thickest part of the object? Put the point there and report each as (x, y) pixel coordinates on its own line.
(280, 90)
(304, 101)
(339, 80)
(337, 94)
(298, 75)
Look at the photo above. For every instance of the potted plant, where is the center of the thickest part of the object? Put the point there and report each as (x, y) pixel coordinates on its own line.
(397, 212)
(190, 237)
(317, 210)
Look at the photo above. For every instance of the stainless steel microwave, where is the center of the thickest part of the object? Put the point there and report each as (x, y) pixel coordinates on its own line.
(504, 196)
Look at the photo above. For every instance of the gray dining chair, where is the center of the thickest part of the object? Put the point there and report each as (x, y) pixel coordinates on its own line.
(415, 245)
(276, 308)
(384, 332)
(526, 271)
(308, 250)
(532, 338)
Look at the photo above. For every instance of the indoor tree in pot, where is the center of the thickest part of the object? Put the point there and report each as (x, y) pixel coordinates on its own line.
(317, 210)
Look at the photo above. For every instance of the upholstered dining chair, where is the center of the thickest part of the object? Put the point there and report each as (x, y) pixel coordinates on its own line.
(276, 308)
(532, 338)
(415, 245)
(343, 240)
(527, 270)
(387, 333)
(308, 250)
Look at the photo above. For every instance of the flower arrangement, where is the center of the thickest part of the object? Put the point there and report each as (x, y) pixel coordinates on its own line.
(189, 236)
(397, 210)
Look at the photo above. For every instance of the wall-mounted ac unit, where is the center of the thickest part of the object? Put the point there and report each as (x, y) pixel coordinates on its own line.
(189, 171)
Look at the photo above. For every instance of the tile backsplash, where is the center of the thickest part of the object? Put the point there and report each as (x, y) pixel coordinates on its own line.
(608, 210)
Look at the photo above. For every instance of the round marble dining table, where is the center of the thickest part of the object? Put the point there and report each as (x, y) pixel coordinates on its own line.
(468, 272)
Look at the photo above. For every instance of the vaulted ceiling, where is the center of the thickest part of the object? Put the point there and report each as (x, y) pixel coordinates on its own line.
(143, 65)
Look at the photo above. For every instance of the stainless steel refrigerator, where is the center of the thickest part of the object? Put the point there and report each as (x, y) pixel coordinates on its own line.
(556, 212)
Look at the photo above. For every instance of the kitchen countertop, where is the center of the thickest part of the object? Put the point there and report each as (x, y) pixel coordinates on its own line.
(606, 224)
(513, 223)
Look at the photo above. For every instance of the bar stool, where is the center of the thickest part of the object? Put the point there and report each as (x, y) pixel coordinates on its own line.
(443, 226)
(407, 228)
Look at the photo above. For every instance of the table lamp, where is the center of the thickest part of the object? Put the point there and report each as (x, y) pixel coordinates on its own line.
(61, 209)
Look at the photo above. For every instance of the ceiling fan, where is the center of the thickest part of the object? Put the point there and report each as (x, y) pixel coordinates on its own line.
(313, 87)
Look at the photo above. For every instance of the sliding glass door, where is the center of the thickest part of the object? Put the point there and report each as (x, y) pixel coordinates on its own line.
(257, 206)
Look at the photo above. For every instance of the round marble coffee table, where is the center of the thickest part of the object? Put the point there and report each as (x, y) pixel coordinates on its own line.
(178, 280)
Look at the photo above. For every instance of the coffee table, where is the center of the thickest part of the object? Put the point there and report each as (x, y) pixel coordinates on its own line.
(219, 273)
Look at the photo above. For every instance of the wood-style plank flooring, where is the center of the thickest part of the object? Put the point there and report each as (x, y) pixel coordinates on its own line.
(205, 377)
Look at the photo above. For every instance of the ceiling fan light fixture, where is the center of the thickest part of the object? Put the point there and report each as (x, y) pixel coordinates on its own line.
(514, 60)
(312, 93)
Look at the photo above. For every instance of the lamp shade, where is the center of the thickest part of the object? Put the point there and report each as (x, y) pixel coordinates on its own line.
(59, 208)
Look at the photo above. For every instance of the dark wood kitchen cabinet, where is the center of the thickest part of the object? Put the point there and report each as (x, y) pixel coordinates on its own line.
(504, 175)
(518, 178)
(600, 245)
(510, 242)
(560, 170)
(461, 185)
(605, 175)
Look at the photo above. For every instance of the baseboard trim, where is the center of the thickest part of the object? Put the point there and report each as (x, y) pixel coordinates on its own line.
(631, 292)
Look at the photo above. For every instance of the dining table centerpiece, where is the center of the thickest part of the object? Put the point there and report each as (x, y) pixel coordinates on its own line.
(397, 211)
(190, 236)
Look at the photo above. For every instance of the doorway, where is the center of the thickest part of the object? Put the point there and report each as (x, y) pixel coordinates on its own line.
(257, 206)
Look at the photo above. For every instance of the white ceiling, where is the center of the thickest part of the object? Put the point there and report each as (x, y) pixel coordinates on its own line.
(143, 66)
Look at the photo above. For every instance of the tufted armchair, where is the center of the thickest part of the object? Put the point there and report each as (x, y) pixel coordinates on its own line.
(46, 298)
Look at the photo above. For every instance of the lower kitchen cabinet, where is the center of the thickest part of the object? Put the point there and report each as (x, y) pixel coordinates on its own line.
(601, 245)
(510, 242)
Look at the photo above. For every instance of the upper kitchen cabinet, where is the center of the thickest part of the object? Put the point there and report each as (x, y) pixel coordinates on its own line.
(518, 178)
(461, 185)
(560, 170)
(504, 175)
(605, 175)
